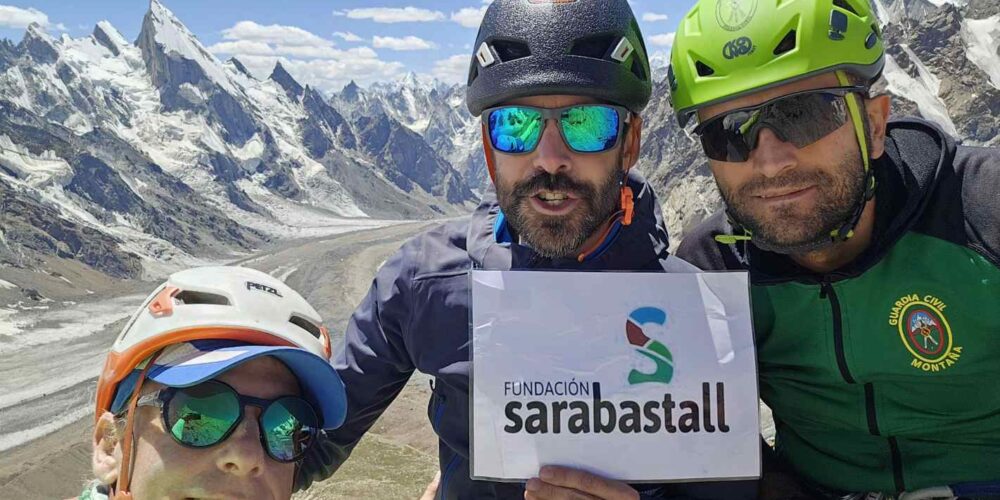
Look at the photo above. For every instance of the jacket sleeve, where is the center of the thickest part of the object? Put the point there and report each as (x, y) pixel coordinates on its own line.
(373, 363)
(980, 201)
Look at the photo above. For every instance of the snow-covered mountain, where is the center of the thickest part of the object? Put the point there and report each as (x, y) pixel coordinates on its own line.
(131, 156)
(431, 109)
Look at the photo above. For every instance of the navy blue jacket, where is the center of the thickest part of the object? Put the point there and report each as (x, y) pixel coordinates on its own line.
(416, 317)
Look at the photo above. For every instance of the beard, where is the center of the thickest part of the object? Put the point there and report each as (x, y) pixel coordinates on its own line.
(788, 229)
(560, 236)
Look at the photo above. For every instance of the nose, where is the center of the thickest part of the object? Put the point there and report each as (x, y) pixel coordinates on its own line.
(242, 454)
(772, 156)
(552, 155)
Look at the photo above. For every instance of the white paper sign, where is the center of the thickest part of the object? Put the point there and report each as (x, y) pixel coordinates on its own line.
(633, 376)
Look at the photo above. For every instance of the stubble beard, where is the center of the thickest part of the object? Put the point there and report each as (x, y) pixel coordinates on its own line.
(786, 229)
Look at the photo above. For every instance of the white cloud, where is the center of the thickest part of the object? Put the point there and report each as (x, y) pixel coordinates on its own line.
(311, 59)
(16, 17)
(242, 47)
(469, 17)
(405, 43)
(454, 69)
(393, 15)
(665, 40)
(348, 37)
(328, 75)
(651, 17)
(275, 34)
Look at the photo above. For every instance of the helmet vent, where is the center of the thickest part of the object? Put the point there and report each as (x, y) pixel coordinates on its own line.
(473, 72)
(306, 325)
(191, 297)
(846, 6)
(595, 47)
(637, 70)
(509, 50)
(787, 44)
(703, 69)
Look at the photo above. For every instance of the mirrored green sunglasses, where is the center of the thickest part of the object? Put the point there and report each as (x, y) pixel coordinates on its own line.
(586, 128)
(206, 414)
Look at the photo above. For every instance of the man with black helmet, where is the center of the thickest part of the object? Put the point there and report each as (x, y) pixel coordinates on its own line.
(559, 86)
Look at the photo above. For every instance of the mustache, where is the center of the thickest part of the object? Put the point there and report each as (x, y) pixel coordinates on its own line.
(552, 182)
(792, 179)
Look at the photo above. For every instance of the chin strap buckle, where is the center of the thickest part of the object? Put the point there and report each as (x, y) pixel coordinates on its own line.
(628, 205)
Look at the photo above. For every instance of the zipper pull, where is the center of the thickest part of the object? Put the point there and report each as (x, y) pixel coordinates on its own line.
(824, 289)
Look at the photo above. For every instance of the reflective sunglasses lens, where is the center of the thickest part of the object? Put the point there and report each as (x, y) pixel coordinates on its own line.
(289, 426)
(723, 139)
(807, 118)
(202, 415)
(800, 119)
(590, 129)
(515, 129)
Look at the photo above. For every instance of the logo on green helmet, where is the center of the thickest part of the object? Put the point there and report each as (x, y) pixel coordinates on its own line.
(734, 15)
(741, 46)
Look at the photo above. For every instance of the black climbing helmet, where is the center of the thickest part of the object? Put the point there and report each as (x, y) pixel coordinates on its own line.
(544, 47)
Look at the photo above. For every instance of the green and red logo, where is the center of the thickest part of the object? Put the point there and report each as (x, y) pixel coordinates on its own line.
(635, 332)
(925, 332)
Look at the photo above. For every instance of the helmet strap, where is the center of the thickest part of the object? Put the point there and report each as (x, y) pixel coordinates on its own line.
(857, 111)
(125, 471)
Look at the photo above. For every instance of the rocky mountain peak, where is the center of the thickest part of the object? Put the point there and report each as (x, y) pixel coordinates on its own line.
(39, 44)
(109, 37)
(281, 76)
(238, 66)
(351, 92)
(164, 36)
(897, 11)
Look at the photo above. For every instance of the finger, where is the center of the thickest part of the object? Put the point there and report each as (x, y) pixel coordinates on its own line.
(592, 484)
(432, 488)
(537, 489)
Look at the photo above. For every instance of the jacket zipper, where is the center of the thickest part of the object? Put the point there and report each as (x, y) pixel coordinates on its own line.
(828, 292)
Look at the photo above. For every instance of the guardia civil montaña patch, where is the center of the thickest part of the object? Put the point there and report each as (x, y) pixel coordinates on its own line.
(924, 330)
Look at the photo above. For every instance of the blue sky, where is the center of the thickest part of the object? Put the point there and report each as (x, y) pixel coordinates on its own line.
(324, 43)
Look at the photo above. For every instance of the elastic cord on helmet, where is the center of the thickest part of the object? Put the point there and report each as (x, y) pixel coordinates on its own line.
(846, 231)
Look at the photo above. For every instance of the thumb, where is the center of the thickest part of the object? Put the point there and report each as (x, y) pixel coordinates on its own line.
(432, 488)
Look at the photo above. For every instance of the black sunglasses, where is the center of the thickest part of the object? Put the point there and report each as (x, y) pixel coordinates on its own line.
(800, 118)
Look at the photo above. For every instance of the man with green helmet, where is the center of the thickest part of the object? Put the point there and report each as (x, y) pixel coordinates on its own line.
(873, 247)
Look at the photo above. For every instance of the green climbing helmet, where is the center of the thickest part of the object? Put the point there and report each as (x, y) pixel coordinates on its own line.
(724, 49)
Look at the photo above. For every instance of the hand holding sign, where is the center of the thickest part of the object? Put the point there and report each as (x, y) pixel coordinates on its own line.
(582, 369)
(561, 483)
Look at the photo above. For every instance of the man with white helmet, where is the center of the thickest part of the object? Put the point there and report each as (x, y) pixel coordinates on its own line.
(217, 387)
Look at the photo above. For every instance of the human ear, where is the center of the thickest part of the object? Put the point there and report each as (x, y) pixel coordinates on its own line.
(632, 142)
(877, 109)
(106, 449)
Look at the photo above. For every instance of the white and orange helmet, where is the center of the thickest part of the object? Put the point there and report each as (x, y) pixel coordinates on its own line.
(212, 303)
